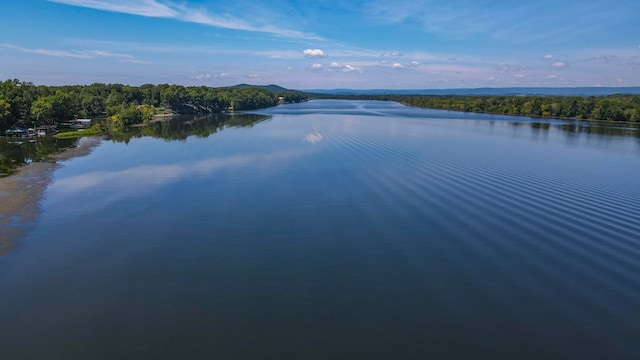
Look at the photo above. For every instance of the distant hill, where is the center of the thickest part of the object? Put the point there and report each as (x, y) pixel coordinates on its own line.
(564, 91)
(274, 88)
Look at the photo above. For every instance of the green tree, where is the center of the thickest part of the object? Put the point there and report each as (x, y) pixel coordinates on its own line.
(5, 112)
(42, 110)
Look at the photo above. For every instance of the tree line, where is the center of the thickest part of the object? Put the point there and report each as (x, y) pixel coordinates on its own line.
(623, 108)
(610, 108)
(26, 104)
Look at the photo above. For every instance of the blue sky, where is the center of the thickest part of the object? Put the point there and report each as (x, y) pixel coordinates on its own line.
(413, 44)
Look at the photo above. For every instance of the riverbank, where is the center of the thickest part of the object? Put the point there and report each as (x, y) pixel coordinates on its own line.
(21, 192)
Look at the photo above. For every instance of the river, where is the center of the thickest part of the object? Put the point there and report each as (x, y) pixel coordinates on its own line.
(335, 229)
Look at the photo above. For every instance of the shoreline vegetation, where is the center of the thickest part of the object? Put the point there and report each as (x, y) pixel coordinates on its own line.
(115, 106)
(622, 108)
(120, 111)
(25, 105)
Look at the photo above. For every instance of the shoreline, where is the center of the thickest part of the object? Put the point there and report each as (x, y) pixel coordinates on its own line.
(22, 191)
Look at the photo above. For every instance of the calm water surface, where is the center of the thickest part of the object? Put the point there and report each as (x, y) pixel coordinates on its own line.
(336, 229)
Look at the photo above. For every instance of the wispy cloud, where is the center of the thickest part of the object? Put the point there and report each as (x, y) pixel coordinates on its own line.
(150, 8)
(473, 19)
(77, 54)
(169, 10)
(48, 52)
(603, 59)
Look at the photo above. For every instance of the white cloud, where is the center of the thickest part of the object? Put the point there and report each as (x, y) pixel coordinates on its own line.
(168, 10)
(349, 68)
(519, 76)
(314, 53)
(317, 66)
(510, 67)
(334, 65)
(560, 64)
(492, 78)
(201, 76)
(397, 65)
(548, 57)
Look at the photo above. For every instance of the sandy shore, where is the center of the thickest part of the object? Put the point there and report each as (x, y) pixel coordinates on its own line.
(21, 192)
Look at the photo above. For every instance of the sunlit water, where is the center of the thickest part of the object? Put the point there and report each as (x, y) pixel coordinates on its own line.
(337, 230)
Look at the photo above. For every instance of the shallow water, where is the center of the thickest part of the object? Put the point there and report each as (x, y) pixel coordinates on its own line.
(337, 229)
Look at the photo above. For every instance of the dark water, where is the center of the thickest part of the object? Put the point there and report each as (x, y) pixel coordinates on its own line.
(337, 230)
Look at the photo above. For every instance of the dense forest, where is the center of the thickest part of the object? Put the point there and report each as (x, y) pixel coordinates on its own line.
(25, 104)
(625, 108)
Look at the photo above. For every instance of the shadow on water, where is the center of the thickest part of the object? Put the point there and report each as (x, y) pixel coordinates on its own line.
(182, 127)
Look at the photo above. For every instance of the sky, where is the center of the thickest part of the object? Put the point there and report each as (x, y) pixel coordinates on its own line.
(323, 44)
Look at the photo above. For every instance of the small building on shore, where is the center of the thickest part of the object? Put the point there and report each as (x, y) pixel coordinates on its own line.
(17, 132)
(83, 123)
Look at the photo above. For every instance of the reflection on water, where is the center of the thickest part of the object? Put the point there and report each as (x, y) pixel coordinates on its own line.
(18, 152)
(590, 128)
(181, 127)
(21, 193)
(338, 229)
(596, 128)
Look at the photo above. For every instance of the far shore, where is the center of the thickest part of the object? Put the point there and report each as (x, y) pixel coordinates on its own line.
(21, 192)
